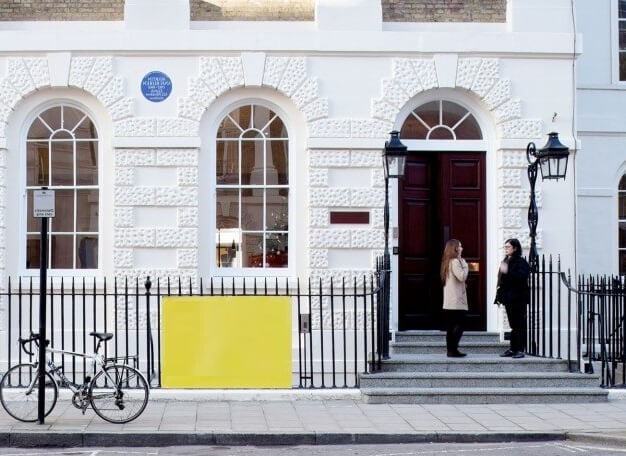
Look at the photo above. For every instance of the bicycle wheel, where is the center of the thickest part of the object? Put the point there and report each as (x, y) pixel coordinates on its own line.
(119, 393)
(19, 393)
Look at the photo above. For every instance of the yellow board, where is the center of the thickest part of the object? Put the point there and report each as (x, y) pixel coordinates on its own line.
(226, 342)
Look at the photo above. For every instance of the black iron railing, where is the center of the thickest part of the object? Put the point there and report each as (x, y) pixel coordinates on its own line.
(582, 322)
(601, 302)
(337, 321)
(552, 319)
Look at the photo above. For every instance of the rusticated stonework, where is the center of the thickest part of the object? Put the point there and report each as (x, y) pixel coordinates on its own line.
(477, 75)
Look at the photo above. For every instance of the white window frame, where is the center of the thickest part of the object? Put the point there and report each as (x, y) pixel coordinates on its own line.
(260, 272)
(615, 51)
(28, 122)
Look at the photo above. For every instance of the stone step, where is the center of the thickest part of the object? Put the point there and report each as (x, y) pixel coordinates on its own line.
(434, 347)
(478, 380)
(481, 395)
(437, 336)
(419, 372)
(470, 363)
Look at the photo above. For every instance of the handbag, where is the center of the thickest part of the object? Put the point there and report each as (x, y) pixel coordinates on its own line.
(498, 299)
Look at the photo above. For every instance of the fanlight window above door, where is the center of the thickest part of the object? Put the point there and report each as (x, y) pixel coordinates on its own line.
(441, 120)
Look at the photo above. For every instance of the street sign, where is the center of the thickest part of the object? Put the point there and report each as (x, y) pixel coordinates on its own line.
(43, 203)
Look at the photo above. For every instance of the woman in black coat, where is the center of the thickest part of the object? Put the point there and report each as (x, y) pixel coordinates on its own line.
(514, 293)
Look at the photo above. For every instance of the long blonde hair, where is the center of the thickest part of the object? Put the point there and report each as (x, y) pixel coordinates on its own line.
(450, 251)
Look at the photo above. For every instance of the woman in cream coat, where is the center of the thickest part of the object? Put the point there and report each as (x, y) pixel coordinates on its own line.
(453, 275)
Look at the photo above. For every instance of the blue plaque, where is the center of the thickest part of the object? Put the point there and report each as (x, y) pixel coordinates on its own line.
(156, 86)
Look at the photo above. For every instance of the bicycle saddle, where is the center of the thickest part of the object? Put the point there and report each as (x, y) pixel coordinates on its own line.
(102, 336)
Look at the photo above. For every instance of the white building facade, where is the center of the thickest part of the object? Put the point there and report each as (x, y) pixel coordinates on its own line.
(601, 93)
(181, 148)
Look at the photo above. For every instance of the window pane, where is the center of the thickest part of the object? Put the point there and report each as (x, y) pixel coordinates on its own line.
(87, 210)
(61, 251)
(227, 162)
(52, 117)
(227, 249)
(252, 250)
(252, 210)
(37, 172)
(622, 262)
(85, 130)
(452, 113)
(276, 129)
(622, 235)
(38, 130)
(277, 215)
(413, 129)
(622, 9)
(468, 129)
(276, 250)
(622, 205)
(87, 163)
(33, 251)
(252, 155)
(622, 35)
(71, 118)
(262, 117)
(63, 220)
(243, 117)
(278, 162)
(227, 208)
(87, 248)
(62, 162)
(622, 66)
(33, 224)
(228, 129)
(429, 113)
(441, 133)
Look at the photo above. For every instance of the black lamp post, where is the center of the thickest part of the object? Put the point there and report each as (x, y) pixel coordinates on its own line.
(394, 159)
(552, 162)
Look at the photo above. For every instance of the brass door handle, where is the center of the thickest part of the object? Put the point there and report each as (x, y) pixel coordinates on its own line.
(474, 266)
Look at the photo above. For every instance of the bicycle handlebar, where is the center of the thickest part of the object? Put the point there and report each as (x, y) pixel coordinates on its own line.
(34, 338)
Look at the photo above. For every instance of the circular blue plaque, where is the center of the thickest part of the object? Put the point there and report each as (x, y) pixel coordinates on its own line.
(156, 86)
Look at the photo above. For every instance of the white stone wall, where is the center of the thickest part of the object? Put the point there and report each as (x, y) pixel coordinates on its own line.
(349, 88)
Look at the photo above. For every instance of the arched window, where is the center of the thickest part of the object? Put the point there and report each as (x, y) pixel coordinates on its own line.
(252, 190)
(440, 120)
(62, 154)
(622, 225)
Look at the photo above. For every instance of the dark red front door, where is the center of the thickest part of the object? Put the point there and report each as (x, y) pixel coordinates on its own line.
(441, 196)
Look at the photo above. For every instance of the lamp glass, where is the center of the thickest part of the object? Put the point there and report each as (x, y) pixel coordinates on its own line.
(394, 166)
(553, 158)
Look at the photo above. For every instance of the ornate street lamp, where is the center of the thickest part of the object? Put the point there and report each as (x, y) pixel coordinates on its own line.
(394, 159)
(551, 160)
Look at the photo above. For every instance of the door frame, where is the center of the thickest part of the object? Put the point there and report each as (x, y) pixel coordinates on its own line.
(493, 248)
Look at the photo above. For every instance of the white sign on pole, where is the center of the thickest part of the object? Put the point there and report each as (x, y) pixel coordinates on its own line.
(43, 203)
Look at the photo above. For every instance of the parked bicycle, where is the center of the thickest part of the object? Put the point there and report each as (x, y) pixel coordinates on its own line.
(118, 393)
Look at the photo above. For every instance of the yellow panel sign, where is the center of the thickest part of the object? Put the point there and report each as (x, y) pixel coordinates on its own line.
(226, 342)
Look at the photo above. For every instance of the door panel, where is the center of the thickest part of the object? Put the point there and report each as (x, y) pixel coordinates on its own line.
(441, 196)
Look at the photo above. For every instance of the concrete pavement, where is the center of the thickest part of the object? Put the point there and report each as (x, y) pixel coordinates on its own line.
(309, 417)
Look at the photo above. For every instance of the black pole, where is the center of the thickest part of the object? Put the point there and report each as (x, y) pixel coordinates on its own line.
(533, 217)
(387, 272)
(43, 266)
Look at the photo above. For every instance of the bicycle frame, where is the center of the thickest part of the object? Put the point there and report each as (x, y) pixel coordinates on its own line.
(97, 364)
(96, 360)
